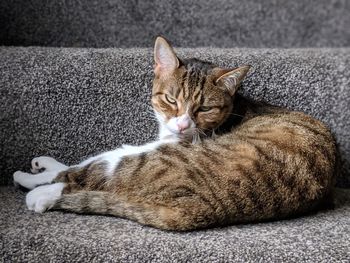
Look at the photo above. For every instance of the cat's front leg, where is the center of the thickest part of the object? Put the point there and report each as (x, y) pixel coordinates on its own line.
(44, 169)
(46, 163)
(113, 158)
(44, 197)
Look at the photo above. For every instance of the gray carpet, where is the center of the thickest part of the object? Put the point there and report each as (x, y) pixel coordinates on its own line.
(63, 237)
(71, 103)
(219, 23)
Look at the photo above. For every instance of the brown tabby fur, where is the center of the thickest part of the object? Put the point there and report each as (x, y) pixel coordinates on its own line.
(265, 163)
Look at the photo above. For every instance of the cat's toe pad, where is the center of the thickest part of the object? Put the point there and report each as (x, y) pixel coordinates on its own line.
(44, 197)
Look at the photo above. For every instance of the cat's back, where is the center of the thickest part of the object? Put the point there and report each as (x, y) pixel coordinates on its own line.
(294, 133)
(276, 165)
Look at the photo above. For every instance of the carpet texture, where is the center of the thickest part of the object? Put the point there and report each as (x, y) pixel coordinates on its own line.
(134, 23)
(62, 237)
(72, 103)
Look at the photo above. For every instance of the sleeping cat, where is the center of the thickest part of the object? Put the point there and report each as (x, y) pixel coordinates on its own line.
(220, 159)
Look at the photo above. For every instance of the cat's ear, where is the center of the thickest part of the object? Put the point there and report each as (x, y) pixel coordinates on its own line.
(230, 79)
(164, 57)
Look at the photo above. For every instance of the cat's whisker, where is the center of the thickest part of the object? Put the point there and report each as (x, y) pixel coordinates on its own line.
(196, 138)
(196, 131)
(150, 112)
(150, 119)
(150, 109)
(235, 114)
(213, 134)
(201, 132)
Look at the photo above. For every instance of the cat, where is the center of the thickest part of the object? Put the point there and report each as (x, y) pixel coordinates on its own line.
(220, 159)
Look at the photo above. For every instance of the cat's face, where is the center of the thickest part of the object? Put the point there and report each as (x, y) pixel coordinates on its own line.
(187, 102)
(191, 97)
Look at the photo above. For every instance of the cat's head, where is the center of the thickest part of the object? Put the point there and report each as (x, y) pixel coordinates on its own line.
(191, 96)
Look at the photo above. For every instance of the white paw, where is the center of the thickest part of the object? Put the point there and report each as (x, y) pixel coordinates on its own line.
(24, 179)
(30, 181)
(44, 197)
(47, 164)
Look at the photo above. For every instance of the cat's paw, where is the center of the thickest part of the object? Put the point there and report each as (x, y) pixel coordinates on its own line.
(46, 163)
(44, 197)
(24, 179)
(30, 181)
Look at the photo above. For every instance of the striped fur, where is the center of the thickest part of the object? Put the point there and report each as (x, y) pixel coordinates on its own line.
(265, 163)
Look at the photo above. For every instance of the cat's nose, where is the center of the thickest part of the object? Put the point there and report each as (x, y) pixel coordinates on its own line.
(183, 125)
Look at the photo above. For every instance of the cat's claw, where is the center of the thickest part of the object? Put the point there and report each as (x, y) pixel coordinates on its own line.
(44, 197)
(46, 163)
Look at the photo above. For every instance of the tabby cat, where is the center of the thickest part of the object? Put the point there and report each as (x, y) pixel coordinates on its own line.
(220, 158)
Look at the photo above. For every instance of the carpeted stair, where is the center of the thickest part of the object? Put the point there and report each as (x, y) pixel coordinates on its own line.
(70, 103)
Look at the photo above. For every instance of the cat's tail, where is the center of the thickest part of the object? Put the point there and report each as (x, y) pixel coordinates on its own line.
(99, 202)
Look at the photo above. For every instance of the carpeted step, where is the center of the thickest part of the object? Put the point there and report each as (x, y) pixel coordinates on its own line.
(219, 23)
(70, 103)
(26, 236)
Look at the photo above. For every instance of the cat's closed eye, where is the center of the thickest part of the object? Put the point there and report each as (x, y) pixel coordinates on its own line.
(205, 108)
(170, 99)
